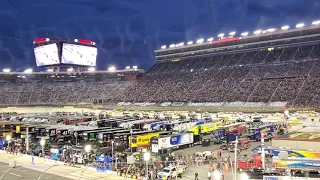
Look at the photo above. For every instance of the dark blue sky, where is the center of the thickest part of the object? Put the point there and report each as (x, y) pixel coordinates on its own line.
(115, 24)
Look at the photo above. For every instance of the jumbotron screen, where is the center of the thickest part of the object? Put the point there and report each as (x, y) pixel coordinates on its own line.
(79, 55)
(47, 55)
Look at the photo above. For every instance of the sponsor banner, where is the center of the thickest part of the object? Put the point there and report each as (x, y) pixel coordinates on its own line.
(174, 104)
(287, 177)
(277, 104)
(254, 104)
(234, 104)
(143, 140)
(175, 140)
(142, 104)
(177, 104)
(165, 104)
(205, 104)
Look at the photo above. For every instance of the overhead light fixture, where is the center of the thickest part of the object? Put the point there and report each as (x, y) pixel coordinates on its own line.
(163, 47)
(232, 33)
(91, 69)
(127, 67)
(28, 70)
(271, 30)
(135, 67)
(245, 34)
(172, 46)
(220, 35)
(6, 70)
(190, 42)
(112, 68)
(257, 32)
(315, 23)
(285, 27)
(200, 41)
(210, 39)
(300, 25)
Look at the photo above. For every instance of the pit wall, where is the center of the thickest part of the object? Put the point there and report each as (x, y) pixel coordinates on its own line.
(95, 108)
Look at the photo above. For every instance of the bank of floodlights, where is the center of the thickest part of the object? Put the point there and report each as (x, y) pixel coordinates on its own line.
(210, 39)
(286, 27)
(315, 23)
(220, 35)
(28, 70)
(232, 33)
(300, 25)
(199, 41)
(244, 34)
(6, 70)
(257, 32)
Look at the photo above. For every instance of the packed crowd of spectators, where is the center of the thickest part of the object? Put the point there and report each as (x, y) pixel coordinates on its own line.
(288, 74)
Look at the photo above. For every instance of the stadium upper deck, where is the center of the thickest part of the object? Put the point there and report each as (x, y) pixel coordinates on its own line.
(27, 76)
(261, 39)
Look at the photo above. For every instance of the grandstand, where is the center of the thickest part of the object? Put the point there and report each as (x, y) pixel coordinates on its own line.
(272, 66)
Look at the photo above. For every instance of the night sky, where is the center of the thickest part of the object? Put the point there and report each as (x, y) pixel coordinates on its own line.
(116, 24)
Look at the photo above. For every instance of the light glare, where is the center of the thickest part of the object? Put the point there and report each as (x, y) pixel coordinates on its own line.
(28, 70)
(300, 25)
(245, 34)
(210, 39)
(257, 32)
(200, 41)
(232, 33)
(285, 27)
(112, 68)
(6, 70)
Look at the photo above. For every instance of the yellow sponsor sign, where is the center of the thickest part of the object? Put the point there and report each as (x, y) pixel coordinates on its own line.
(143, 140)
(17, 129)
(303, 135)
(265, 130)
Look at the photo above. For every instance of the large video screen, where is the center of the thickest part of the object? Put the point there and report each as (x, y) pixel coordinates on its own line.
(46, 55)
(79, 55)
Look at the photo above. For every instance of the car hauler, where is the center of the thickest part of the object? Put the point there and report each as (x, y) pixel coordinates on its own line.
(175, 141)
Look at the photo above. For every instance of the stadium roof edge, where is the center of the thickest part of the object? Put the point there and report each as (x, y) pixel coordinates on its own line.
(246, 37)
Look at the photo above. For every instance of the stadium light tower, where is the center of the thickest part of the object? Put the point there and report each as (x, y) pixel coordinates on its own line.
(135, 67)
(163, 47)
(300, 25)
(112, 69)
(244, 34)
(172, 45)
(127, 67)
(200, 41)
(315, 23)
(190, 42)
(257, 32)
(7, 70)
(232, 33)
(220, 35)
(285, 27)
(210, 39)
(28, 70)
